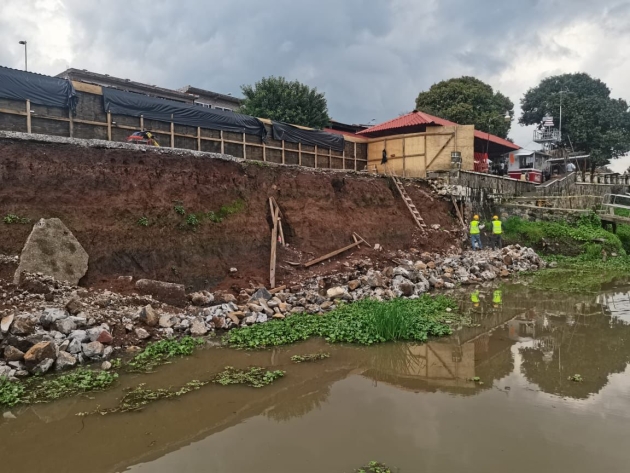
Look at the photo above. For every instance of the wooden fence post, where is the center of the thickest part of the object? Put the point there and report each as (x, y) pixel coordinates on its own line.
(244, 147)
(264, 151)
(28, 116)
(70, 123)
(355, 155)
(315, 156)
(109, 125)
(300, 153)
(172, 132)
(282, 151)
(222, 143)
(198, 138)
(141, 122)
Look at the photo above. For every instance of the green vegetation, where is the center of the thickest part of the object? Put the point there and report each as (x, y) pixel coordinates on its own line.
(309, 357)
(374, 467)
(192, 220)
(39, 390)
(11, 218)
(135, 399)
(364, 322)
(476, 380)
(159, 353)
(254, 377)
(225, 211)
(587, 236)
(179, 209)
(576, 378)
(143, 222)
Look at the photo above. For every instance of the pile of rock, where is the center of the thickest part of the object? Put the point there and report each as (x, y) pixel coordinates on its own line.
(49, 325)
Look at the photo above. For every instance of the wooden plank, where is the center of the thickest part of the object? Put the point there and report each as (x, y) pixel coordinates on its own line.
(264, 147)
(12, 112)
(172, 132)
(440, 151)
(283, 160)
(300, 153)
(277, 289)
(330, 255)
(461, 219)
(28, 116)
(329, 158)
(362, 239)
(403, 156)
(222, 143)
(274, 242)
(198, 138)
(109, 125)
(244, 147)
(141, 122)
(282, 240)
(355, 156)
(315, 156)
(88, 88)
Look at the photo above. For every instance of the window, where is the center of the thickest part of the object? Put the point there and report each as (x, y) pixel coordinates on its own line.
(205, 105)
(224, 109)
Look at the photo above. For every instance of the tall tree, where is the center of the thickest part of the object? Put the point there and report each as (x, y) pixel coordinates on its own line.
(291, 102)
(592, 121)
(468, 101)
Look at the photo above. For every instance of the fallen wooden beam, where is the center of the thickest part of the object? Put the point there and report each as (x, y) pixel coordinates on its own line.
(330, 255)
(277, 289)
(274, 242)
(362, 239)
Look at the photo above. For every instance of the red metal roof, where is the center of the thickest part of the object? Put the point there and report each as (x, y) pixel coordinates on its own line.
(421, 118)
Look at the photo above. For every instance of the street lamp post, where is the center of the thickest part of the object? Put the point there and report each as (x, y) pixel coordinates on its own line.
(25, 56)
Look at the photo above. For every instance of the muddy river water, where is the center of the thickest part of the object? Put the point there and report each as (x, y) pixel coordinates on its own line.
(411, 406)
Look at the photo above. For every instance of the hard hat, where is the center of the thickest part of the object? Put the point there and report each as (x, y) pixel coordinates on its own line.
(476, 217)
(495, 218)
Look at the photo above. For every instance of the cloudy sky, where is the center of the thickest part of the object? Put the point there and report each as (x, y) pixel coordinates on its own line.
(370, 57)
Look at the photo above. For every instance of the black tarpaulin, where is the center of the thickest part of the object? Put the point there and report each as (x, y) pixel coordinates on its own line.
(129, 103)
(293, 134)
(39, 89)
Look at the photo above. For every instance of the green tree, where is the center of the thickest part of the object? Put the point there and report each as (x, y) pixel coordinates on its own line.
(291, 102)
(468, 101)
(592, 121)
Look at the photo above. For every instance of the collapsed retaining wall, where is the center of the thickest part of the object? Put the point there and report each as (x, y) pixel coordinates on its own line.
(102, 190)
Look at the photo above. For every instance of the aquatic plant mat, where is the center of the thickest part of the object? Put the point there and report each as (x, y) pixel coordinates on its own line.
(364, 322)
(161, 352)
(374, 467)
(135, 399)
(46, 389)
(310, 357)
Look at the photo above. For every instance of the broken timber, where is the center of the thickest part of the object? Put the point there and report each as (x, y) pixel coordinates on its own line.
(334, 253)
(274, 242)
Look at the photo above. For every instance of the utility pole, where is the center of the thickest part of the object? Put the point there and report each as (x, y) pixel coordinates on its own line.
(25, 55)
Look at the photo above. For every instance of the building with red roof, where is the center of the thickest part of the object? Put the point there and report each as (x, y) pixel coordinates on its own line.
(419, 143)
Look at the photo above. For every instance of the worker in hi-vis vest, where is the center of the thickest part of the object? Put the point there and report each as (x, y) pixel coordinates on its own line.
(497, 231)
(475, 233)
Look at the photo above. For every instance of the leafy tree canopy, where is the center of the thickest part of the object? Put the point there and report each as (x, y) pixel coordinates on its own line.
(468, 101)
(592, 121)
(291, 102)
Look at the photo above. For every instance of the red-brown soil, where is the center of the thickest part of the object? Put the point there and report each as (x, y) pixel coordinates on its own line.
(101, 193)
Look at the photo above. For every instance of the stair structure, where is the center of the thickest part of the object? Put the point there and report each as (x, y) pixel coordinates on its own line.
(408, 202)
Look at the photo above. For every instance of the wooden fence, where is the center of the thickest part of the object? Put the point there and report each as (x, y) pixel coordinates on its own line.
(93, 122)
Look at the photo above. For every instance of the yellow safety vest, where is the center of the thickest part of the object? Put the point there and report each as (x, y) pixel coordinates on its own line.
(474, 297)
(497, 297)
(474, 227)
(496, 227)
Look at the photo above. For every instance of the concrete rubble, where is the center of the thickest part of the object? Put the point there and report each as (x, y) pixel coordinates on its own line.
(59, 326)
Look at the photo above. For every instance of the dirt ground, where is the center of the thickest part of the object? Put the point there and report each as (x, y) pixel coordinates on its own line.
(101, 194)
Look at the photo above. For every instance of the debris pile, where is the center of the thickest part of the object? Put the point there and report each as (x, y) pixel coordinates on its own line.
(47, 325)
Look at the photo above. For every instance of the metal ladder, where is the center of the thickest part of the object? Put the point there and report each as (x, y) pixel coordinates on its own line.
(408, 202)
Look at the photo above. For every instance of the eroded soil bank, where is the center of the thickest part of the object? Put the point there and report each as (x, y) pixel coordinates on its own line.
(411, 406)
(153, 214)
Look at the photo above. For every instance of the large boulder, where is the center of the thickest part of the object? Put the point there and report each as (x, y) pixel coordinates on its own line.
(53, 250)
(148, 316)
(174, 294)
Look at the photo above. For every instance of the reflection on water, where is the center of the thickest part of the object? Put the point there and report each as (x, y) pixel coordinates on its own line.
(523, 345)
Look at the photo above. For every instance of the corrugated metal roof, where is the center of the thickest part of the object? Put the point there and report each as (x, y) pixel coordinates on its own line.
(420, 118)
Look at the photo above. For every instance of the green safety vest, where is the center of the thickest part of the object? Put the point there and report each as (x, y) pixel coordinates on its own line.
(497, 297)
(474, 297)
(496, 227)
(474, 227)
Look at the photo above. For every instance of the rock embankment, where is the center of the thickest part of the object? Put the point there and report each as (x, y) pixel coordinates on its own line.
(46, 325)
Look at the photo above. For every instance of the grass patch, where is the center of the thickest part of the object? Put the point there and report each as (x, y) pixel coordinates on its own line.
(39, 390)
(364, 322)
(143, 222)
(225, 211)
(586, 235)
(158, 353)
(179, 209)
(254, 377)
(309, 357)
(11, 218)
